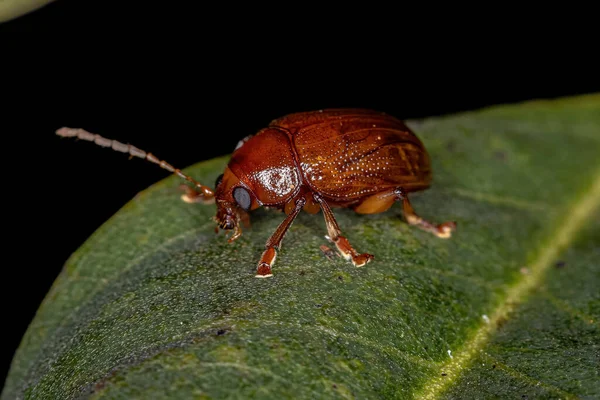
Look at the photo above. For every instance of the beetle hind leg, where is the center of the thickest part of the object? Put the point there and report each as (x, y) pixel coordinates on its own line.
(382, 201)
(443, 230)
(342, 244)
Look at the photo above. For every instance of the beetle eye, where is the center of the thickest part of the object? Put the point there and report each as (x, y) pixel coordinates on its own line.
(242, 197)
(218, 181)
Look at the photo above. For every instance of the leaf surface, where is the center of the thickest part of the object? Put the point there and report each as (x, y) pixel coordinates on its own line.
(11, 9)
(154, 304)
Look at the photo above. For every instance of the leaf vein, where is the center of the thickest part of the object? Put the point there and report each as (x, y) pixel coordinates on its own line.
(499, 200)
(528, 379)
(359, 339)
(573, 222)
(563, 306)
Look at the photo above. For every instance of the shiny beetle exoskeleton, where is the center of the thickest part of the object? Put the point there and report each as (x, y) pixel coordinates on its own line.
(353, 158)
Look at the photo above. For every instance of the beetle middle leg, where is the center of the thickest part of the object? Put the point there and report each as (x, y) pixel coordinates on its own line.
(335, 235)
(380, 202)
(274, 243)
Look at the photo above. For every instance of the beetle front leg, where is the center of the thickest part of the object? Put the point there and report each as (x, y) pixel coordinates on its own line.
(335, 235)
(274, 243)
(191, 195)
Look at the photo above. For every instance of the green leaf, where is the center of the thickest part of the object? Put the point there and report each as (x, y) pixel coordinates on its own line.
(11, 9)
(156, 305)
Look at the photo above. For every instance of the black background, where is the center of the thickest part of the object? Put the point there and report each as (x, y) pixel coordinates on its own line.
(187, 83)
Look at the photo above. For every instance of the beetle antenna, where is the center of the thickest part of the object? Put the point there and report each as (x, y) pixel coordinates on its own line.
(133, 151)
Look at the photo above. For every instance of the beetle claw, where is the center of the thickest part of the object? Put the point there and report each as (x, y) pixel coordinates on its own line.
(444, 231)
(264, 271)
(330, 254)
(264, 265)
(362, 259)
(237, 232)
(348, 252)
(192, 196)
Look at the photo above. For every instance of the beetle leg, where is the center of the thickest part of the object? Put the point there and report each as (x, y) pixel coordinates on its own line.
(335, 236)
(382, 201)
(274, 243)
(193, 196)
(443, 230)
(377, 203)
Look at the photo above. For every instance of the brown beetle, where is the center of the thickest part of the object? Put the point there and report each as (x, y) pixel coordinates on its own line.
(354, 158)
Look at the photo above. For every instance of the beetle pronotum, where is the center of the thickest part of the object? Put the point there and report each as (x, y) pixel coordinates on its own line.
(313, 161)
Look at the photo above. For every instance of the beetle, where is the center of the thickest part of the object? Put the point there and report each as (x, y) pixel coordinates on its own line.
(360, 159)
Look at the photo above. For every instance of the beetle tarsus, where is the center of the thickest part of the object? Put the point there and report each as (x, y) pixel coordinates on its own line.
(192, 196)
(443, 231)
(348, 252)
(236, 234)
(327, 252)
(264, 265)
(264, 271)
(362, 259)
(342, 244)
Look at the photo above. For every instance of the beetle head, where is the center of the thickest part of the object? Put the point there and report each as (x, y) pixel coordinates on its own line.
(234, 199)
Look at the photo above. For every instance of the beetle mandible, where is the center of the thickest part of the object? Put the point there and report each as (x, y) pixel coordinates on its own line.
(314, 161)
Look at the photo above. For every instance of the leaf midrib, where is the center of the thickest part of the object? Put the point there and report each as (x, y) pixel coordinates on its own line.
(573, 221)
